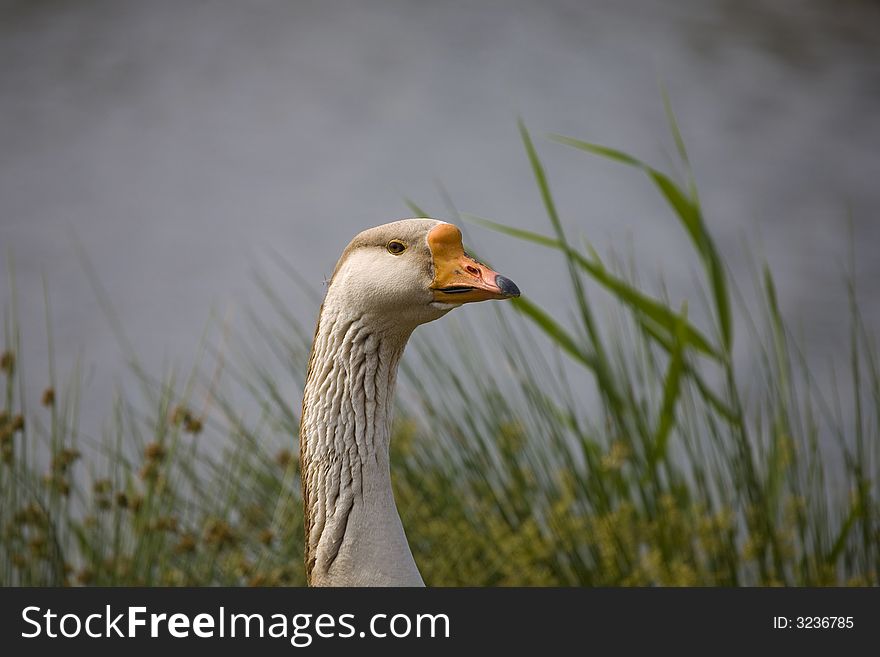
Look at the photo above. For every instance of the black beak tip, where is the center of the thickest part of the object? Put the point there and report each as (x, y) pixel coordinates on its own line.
(507, 286)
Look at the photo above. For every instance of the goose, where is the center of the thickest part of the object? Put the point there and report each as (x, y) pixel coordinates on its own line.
(389, 280)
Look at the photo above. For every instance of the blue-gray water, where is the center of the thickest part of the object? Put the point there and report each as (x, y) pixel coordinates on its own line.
(179, 142)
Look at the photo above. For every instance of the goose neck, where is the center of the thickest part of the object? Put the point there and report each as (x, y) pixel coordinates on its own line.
(353, 531)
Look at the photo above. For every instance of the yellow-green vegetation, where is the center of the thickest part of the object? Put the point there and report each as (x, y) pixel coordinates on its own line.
(662, 471)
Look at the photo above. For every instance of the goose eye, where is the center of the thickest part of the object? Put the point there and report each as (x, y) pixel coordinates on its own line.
(396, 247)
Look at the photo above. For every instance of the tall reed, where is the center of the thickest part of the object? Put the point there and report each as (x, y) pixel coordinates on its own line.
(661, 471)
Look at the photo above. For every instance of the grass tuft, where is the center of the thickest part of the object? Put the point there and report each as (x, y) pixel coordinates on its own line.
(615, 450)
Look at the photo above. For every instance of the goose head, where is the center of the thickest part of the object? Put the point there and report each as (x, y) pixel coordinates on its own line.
(389, 280)
(411, 272)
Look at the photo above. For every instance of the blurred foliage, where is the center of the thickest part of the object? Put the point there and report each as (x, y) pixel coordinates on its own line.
(504, 473)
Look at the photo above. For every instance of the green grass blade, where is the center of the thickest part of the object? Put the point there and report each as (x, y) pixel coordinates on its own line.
(687, 209)
(597, 149)
(840, 542)
(602, 369)
(525, 235)
(622, 290)
(679, 142)
(648, 306)
(415, 208)
(553, 330)
(541, 180)
(673, 126)
(722, 299)
(661, 338)
(671, 391)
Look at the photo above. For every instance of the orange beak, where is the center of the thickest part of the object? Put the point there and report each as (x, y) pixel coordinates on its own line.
(458, 278)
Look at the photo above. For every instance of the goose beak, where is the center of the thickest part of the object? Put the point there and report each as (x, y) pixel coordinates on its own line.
(458, 278)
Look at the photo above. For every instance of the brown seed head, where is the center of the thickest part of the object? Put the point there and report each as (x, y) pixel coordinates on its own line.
(17, 423)
(7, 363)
(192, 425)
(283, 458)
(154, 452)
(48, 397)
(186, 544)
(85, 576)
(101, 486)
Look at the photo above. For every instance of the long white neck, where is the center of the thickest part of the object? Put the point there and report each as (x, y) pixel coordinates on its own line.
(354, 536)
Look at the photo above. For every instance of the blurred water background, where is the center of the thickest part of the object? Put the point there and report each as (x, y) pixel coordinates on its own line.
(181, 143)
